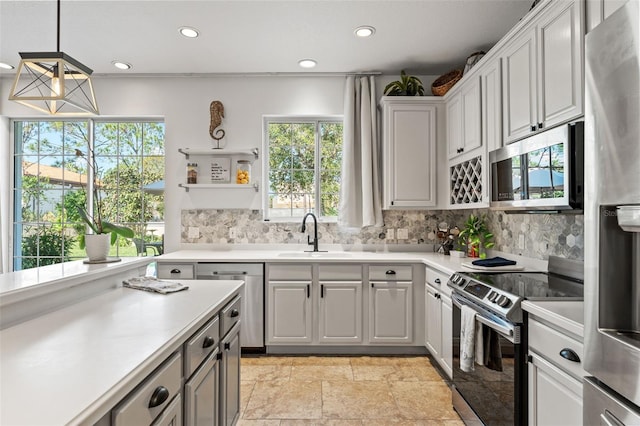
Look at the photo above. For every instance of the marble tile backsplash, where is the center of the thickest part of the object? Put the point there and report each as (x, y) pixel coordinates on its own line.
(541, 234)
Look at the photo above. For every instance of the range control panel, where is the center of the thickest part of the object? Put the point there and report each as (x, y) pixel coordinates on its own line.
(499, 301)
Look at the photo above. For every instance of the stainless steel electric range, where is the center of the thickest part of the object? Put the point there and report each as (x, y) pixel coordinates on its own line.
(495, 392)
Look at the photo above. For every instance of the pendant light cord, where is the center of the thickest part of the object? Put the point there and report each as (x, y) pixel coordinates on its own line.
(58, 29)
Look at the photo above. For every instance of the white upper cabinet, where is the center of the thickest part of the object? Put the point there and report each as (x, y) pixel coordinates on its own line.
(542, 71)
(464, 119)
(409, 151)
(491, 95)
(599, 10)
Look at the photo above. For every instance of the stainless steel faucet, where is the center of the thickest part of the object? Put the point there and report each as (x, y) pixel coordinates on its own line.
(313, 243)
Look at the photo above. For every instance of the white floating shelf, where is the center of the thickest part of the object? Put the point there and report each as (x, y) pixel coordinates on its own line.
(217, 152)
(188, 186)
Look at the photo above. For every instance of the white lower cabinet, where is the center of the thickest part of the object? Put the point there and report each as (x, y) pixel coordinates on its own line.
(439, 320)
(202, 394)
(289, 312)
(555, 375)
(390, 312)
(340, 313)
(555, 398)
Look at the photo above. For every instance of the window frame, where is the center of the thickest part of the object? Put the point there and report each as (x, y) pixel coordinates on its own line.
(295, 119)
(91, 123)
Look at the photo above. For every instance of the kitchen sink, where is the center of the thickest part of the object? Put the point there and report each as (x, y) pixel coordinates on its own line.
(312, 254)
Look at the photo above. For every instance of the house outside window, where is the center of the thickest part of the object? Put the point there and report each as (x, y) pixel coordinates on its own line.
(50, 182)
(302, 161)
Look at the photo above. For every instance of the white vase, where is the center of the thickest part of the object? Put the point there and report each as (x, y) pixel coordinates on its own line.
(97, 246)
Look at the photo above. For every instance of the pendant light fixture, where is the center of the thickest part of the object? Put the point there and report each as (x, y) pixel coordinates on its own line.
(54, 82)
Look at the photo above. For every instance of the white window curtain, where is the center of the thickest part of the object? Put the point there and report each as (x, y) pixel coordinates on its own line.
(360, 203)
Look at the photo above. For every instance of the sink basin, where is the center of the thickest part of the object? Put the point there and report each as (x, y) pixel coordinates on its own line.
(316, 254)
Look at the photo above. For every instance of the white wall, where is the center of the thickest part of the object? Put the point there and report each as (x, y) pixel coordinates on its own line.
(183, 103)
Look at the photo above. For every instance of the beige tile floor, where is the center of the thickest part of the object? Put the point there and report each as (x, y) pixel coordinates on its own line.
(343, 391)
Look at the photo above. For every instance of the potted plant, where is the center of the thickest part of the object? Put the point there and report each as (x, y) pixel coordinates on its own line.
(408, 85)
(104, 233)
(477, 236)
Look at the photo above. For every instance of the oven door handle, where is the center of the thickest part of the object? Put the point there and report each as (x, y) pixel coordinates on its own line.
(506, 332)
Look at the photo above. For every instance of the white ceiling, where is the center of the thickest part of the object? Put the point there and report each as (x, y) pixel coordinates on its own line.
(265, 36)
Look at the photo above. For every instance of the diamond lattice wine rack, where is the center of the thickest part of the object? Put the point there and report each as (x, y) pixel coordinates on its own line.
(466, 182)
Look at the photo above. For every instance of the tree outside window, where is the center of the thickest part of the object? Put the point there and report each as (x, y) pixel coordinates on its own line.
(50, 182)
(303, 166)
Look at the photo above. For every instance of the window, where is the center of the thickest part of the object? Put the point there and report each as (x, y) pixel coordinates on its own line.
(50, 181)
(302, 165)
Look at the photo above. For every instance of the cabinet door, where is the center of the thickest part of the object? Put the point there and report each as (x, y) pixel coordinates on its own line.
(201, 394)
(471, 116)
(447, 335)
(172, 415)
(454, 125)
(492, 105)
(340, 312)
(289, 312)
(390, 312)
(230, 378)
(560, 64)
(434, 323)
(519, 86)
(410, 155)
(555, 398)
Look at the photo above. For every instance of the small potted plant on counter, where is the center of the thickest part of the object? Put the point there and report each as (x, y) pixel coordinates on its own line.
(477, 236)
(104, 233)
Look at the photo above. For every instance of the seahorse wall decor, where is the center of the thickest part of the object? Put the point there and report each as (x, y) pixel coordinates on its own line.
(217, 114)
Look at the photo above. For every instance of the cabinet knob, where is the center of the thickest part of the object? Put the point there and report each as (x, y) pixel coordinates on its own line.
(569, 354)
(533, 128)
(540, 126)
(208, 342)
(159, 396)
(437, 281)
(175, 271)
(234, 313)
(390, 272)
(227, 346)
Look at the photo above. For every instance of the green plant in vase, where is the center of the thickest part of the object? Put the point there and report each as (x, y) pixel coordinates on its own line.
(95, 219)
(477, 236)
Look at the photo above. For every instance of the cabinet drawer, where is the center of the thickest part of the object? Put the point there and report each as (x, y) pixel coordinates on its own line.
(201, 344)
(390, 273)
(183, 271)
(549, 343)
(172, 416)
(340, 272)
(135, 410)
(432, 276)
(290, 272)
(229, 316)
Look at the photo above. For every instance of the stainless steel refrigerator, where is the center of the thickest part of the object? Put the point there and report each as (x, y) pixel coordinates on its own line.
(612, 220)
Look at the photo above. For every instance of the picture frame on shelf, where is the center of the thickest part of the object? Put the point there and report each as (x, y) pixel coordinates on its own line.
(221, 170)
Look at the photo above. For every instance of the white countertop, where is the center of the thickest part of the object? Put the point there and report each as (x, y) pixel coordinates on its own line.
(74, 364)
(447, 264)
(568, 315)
(14, 285)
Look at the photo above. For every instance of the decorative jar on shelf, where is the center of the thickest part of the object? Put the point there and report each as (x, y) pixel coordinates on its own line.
(243, 172)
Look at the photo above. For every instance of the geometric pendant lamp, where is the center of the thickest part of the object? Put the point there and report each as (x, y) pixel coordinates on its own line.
(54, 83)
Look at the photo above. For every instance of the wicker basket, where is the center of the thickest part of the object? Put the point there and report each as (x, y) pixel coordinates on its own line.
(445, 82)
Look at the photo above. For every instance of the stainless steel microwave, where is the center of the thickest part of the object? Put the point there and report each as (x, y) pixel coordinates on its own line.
(544, 172)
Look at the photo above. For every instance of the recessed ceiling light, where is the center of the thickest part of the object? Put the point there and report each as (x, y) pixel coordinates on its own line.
(189, 32)
(364, 31)
(6, 66)
(121, 65)
(307, 63)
